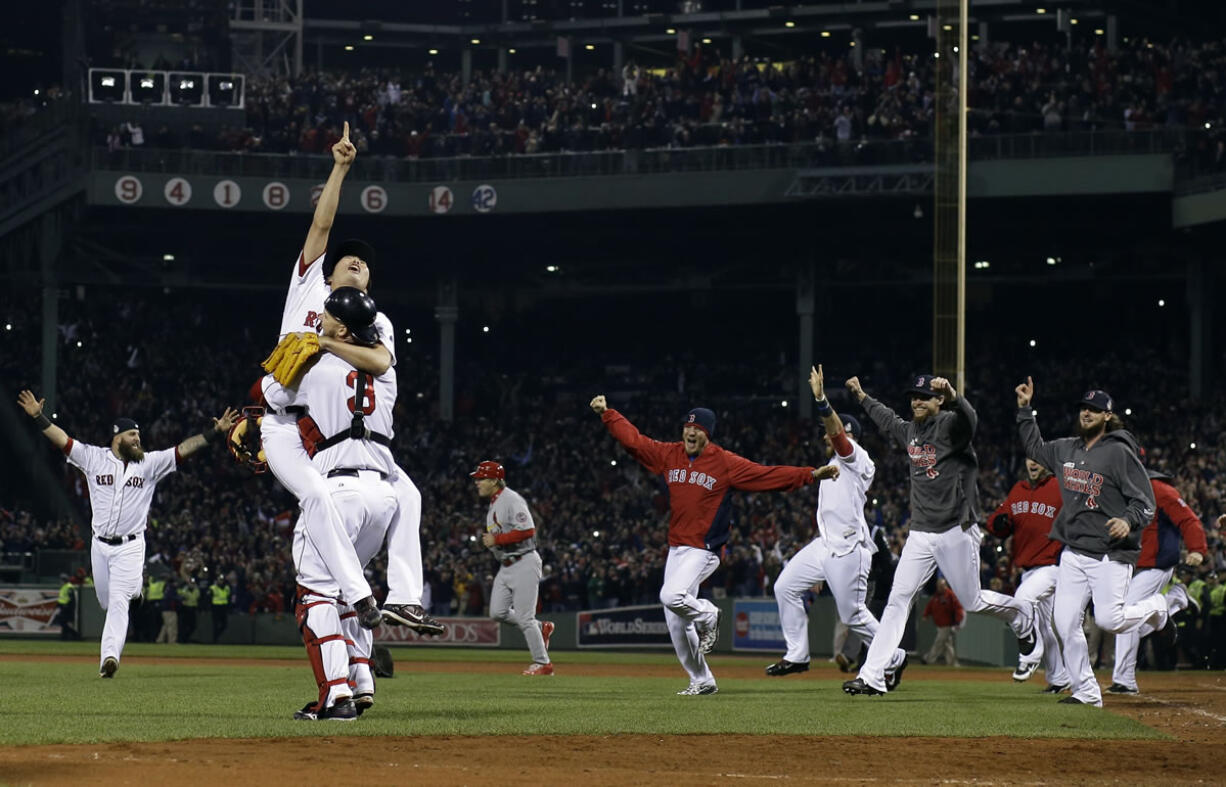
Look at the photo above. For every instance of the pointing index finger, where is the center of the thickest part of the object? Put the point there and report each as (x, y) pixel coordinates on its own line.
(345, 135)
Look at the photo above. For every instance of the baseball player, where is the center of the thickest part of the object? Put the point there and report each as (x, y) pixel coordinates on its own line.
(1173, 521)
(121, 479)
(1027, 514)
(700, 475)
(348, 433)
(510, 534)
(944, 532)
(842, 553)
(1107, 500)
(315, 273)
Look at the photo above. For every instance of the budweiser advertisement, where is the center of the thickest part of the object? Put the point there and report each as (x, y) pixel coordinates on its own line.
(28, 611)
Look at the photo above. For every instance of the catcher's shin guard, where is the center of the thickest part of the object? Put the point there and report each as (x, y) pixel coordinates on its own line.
(359, 642)
(320, 625)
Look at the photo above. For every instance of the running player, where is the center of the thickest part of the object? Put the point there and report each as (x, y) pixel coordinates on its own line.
(700, 475)
(944, 533)
(121, 479)
(841, 554)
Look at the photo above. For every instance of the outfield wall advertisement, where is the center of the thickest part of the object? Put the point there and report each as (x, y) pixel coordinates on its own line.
(755, 626)
(623, 627)
(464, 632)
(27, 611)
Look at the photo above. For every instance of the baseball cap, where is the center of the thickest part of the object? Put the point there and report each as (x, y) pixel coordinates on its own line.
(852, 426)
(921, 385)
(489, 469)
(1097, 400)
(703, 418)
(346, 248)
(123, 425)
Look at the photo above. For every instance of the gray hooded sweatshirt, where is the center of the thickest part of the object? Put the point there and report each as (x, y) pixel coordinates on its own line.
(944, 468)
(1098, 483)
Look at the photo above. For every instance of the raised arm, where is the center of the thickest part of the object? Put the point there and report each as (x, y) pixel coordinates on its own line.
(885, 418)
(343, 153)
(221, 427)
(830, 419)
(1033, 443)
(966, 420)
(647, 452)
(34, 409)
(753, 477)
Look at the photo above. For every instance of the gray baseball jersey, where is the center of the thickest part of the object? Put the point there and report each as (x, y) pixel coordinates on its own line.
(1097, 483)
(944, 468)
(508, 512)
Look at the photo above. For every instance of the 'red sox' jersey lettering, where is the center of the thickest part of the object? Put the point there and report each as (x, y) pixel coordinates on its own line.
(680, 475)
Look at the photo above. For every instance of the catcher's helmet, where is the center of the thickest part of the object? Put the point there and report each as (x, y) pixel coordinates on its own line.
(356, 310)
(348, 248)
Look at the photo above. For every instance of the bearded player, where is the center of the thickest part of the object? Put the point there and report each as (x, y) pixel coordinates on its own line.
(841, 554)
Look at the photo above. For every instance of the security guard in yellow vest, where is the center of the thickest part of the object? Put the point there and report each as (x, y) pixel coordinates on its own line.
(1215, 599)
(220, 593)
(189, 603)
(66, 614)
(150, 617)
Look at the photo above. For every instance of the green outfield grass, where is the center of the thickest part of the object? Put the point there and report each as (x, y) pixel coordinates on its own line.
(65, 702)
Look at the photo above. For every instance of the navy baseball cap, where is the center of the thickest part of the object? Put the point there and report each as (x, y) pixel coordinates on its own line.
(921, 385)
(851, 425)
(348, 248)
(122, 425)
(1097, 400)
(703, 418)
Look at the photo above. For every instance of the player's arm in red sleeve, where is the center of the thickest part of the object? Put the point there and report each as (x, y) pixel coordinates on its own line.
(647, 452)
(1179, 512)
(753, 477)
(830, 419)
(514, 536)
(316, 243)
(1000, 522)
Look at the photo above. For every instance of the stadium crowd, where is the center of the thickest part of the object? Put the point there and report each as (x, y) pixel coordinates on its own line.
(840, 100)
(602, 521)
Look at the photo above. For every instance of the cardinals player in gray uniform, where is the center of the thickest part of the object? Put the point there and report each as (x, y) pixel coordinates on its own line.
(1107, 501)
(510, 534)
(348, 433)
(121, 479)
(841, 554)
(316, 272)
(944, 526)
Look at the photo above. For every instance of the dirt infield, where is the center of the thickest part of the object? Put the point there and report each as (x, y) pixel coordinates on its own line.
(1190, 706)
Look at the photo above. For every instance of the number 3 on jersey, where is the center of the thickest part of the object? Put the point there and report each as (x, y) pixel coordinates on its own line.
(368, 396)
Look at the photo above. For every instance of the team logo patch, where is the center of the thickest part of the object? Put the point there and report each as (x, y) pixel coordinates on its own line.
(919, 382)
(521, 517)
(691, 419)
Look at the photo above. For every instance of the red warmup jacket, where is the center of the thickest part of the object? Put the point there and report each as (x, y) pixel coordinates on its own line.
(944, 609)
(698, 487)
(1027, 514)
(1172, 519)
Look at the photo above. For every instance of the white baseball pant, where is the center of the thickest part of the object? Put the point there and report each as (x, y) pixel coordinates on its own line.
(117, 580)
(1144, 583)
(404, 573)
(1106, 581)
(846, 576)
(684, 571)
(1038, 586)
(366, 505)
(513, 600)
(318, 517)
(956, 553)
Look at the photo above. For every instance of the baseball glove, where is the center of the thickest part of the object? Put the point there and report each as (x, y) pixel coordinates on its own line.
(291, 357)
(243, 440)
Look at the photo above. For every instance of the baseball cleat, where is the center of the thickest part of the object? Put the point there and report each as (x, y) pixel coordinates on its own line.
(858, 686)
(363, 702)
(698, 689)
(1026, 644)
(546, 632)
(413, 616)
(109, 667)
(1168, 635)
(708, 635)
(1025, 669)
(1053, 688)
(539, 669)
(343, 710)
(1071, 700)
(892, 679)
(785, 667)
(845, 664)
(369, 616)
(1120, 688)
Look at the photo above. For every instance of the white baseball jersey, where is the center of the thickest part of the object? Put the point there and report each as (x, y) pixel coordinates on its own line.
(509, 511)
(840, 503)
(304, 303)
(329, 391)
(120, 492)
